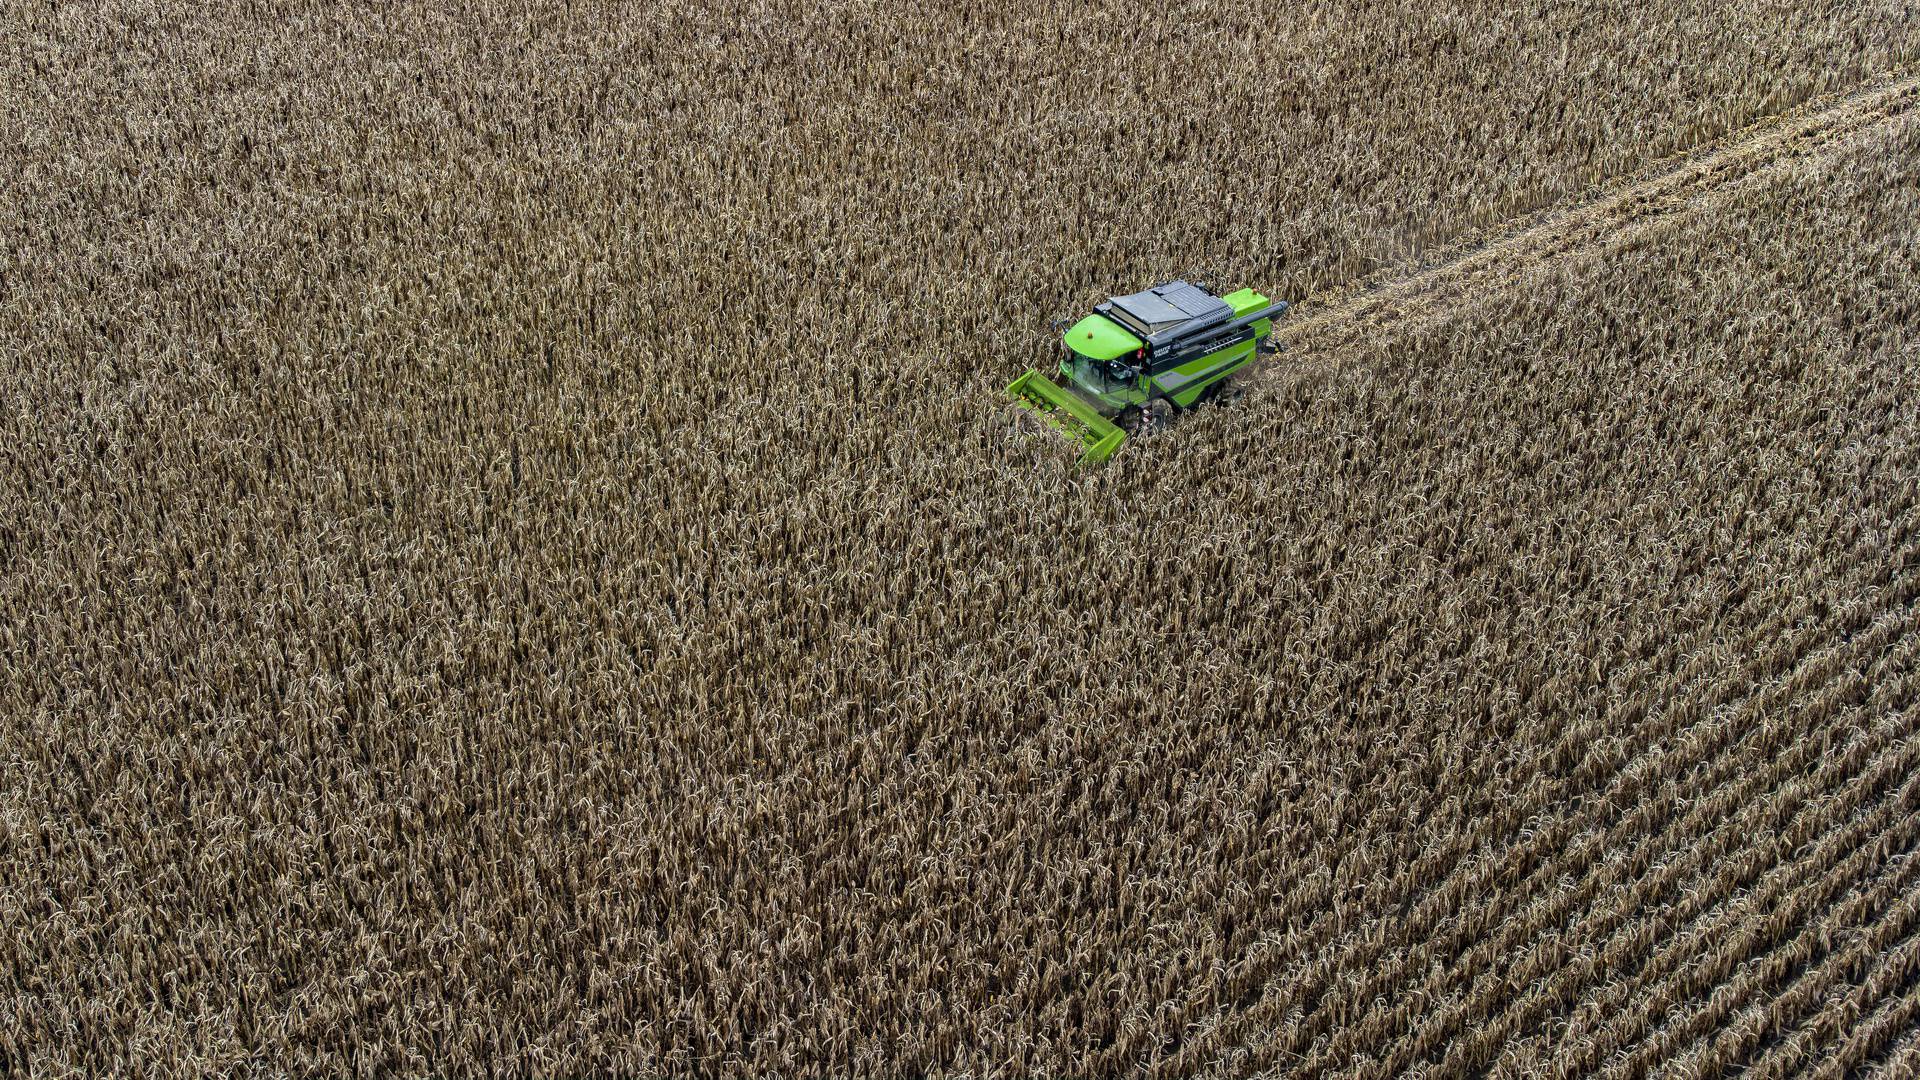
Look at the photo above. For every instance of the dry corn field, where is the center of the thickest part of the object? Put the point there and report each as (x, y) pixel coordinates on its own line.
(514, 559)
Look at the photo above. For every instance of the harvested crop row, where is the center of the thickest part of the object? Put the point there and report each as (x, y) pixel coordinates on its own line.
(1616, 218)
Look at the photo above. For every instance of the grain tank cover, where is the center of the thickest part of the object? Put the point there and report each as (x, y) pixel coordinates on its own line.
(1177, 305)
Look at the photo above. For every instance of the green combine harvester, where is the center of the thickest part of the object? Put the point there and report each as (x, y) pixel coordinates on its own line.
(1139, 358)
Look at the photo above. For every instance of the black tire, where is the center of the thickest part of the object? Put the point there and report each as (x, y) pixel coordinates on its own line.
(1138, 420)
(1223, 391)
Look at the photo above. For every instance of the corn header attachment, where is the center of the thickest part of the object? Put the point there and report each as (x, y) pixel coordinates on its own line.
(1065, 411)
(1141, 358)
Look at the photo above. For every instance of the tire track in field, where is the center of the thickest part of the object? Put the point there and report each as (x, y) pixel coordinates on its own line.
(1625, 210)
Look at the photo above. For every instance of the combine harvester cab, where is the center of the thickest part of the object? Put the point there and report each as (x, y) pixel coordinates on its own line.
(1140, 358)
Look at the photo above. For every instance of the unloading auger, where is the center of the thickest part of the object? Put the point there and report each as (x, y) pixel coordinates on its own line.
(1139, 358)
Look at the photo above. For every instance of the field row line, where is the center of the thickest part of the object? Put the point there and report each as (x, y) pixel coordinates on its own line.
(1587, 857)
(1435, 909)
